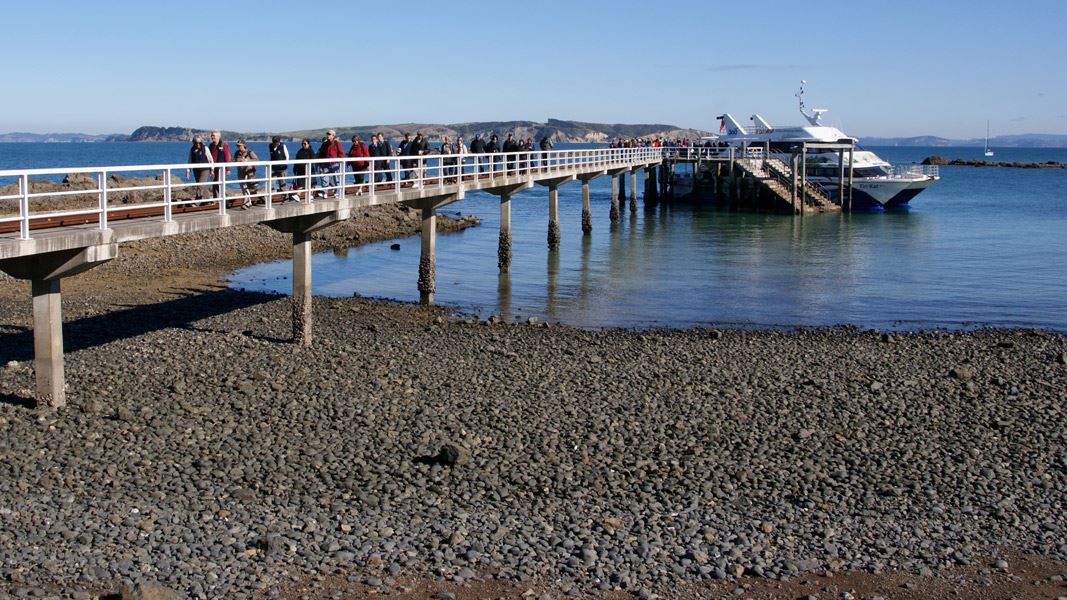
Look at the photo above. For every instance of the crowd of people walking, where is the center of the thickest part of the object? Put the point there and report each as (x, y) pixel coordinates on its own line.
(514, 155)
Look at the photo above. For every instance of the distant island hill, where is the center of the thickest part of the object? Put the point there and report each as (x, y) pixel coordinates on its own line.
(560, 130)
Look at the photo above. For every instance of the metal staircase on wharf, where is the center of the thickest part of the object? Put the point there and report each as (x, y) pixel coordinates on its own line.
(777, 177)
(816, 198)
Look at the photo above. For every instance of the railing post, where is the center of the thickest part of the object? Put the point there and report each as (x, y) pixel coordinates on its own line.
(341, 180)
(307, 183)
(102, 181)
(222, 190)
(419, 165)
(24, 207)
(270, 187)
(167, 198)
(371, 181)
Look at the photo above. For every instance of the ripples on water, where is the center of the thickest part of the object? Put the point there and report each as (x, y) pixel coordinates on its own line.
(981, 247)
(984, 246)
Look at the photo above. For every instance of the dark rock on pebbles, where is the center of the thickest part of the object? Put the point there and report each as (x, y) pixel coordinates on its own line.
(453, 455)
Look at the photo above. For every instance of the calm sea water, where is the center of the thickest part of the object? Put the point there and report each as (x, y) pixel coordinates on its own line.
(984, 246)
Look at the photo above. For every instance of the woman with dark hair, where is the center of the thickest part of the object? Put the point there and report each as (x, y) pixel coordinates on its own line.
(302, 170)
(359, 167)
(198, 154)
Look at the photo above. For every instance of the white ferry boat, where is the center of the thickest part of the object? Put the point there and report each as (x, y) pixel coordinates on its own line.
(875, 182)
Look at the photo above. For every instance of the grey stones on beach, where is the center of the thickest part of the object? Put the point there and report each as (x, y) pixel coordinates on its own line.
(219, 462)
(963, 373)
(147, 591)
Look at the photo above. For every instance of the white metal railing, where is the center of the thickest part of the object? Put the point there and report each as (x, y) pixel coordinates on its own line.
(301, 180)
(695, 152)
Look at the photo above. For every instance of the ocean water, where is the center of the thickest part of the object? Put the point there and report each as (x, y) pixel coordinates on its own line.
(981, 247)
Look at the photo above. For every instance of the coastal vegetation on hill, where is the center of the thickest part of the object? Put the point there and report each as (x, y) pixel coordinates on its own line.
(561, 131)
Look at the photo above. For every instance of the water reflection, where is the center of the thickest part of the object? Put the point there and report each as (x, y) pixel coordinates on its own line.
(684, 265)
(552, 268)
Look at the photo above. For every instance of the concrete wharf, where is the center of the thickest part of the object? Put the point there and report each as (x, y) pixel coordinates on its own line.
(45, 240)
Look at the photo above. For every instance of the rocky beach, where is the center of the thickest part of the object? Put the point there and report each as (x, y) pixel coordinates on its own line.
(411, 453)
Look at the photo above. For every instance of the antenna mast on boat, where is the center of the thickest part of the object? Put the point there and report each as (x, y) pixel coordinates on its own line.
(816, 113)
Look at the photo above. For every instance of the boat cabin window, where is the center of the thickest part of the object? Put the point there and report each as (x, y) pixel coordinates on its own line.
(857, 172)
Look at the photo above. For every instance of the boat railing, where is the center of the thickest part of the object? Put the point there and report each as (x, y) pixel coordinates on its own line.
(915, 170)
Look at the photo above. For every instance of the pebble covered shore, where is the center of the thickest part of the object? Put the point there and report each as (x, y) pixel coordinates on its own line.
(201, 451)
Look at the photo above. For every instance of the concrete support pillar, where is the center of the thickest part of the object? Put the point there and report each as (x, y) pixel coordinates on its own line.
(48, 343)
(301, 228)
(633, 191)
(503, 250)
(622, 193)
(428, 258)
(553, 217)
(44, 272)
(302, 288)
(614, 213)
(587, 213)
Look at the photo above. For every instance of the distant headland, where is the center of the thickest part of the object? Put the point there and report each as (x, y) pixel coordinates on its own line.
(963, 162)
(561, 131)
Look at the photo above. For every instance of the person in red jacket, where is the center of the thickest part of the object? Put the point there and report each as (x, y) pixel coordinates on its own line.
(330, 148)
(359, 167)
(220, 152)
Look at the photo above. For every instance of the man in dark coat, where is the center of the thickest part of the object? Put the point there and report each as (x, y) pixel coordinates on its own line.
(405, 149)
(510, 145)
(493, 147)
(478, 147)
(546, 145)
(418, 147)
(385, 149)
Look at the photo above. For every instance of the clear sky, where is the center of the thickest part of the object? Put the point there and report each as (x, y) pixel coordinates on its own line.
(896, 68)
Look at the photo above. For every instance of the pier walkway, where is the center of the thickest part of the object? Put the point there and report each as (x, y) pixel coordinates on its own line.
(46, 235)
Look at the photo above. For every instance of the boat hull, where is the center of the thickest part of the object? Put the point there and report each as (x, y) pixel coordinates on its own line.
(873, 194)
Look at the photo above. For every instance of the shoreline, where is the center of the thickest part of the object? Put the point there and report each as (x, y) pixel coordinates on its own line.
(202, 451)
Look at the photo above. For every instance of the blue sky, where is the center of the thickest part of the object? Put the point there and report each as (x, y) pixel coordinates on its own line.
(883, 69)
